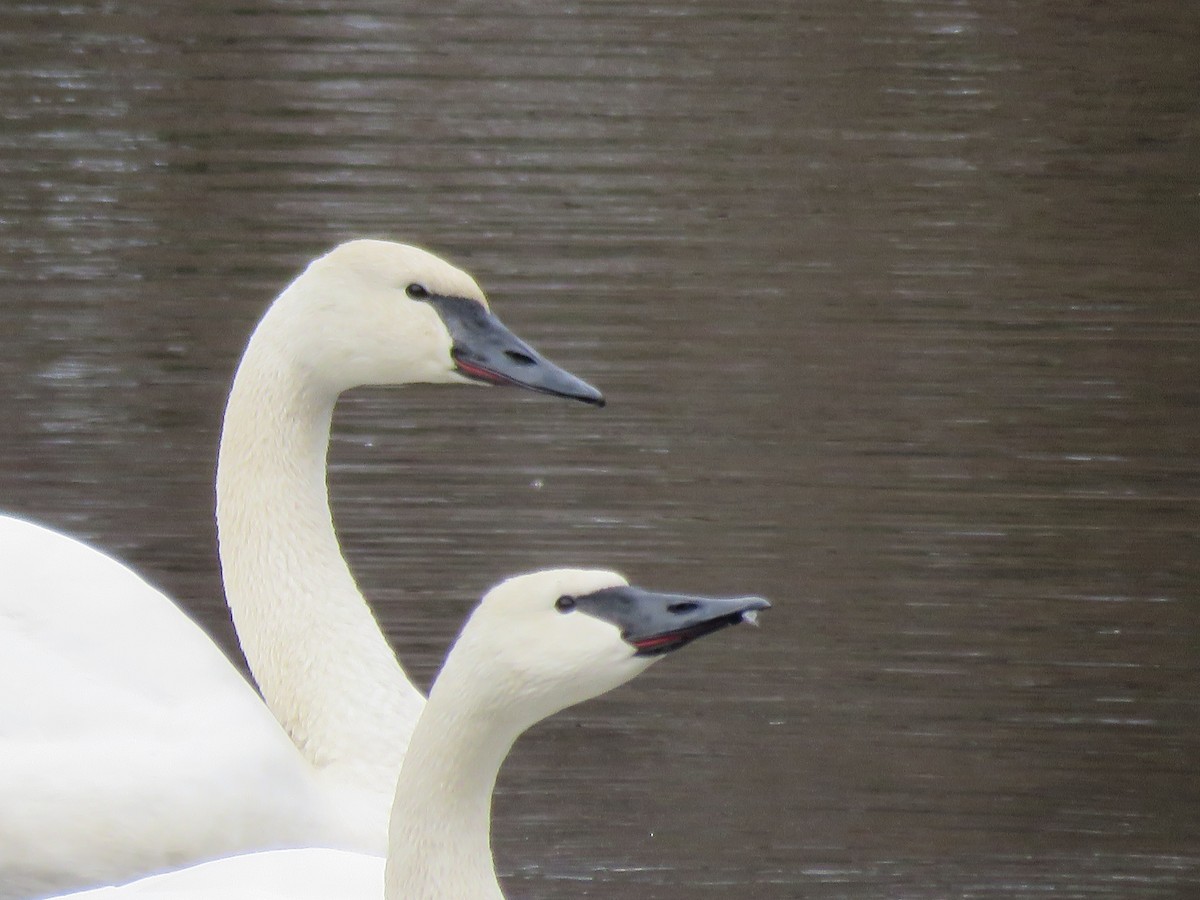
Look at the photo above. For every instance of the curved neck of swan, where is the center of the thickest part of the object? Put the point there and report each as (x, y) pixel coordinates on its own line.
(316, 651)
(439, 842)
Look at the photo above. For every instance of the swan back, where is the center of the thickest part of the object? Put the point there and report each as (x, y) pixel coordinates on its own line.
(119, 709)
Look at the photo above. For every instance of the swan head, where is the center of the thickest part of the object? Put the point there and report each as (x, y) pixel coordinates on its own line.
(541, 642)
(378, 312)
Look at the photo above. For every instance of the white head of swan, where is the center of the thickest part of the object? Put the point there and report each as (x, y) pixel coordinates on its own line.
(119, 716)
(536, 644)
(377, 312)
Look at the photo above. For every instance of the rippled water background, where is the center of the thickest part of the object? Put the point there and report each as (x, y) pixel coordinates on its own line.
(895, 304)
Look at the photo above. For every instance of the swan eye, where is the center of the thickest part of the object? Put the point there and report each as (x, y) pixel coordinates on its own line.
(564, 604)
(417, 292)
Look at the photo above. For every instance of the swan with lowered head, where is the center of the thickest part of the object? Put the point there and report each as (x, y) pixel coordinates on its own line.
(128, 743)
(536, 644)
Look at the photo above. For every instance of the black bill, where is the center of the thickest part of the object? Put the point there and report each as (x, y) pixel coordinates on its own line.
(656, 623)
(485, 350)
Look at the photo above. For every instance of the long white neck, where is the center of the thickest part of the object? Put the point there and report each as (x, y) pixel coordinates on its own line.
(439, 842)
(323, 665)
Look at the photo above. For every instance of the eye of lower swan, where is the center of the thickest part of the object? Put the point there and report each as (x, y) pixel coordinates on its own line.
(417, 291)
(564, 604)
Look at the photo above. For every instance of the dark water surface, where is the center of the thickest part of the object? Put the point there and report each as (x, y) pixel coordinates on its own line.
(895, 304)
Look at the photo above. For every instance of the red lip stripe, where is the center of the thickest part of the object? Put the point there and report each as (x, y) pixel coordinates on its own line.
(658, 640)
(481, 373)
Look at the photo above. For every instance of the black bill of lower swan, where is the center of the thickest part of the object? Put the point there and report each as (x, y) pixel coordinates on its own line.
(485, 350)
(655, 623)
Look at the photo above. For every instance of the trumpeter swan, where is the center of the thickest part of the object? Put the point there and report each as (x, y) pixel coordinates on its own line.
(536, 644)
(128, 743)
